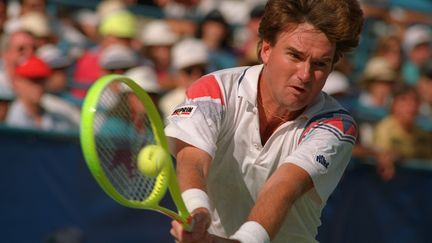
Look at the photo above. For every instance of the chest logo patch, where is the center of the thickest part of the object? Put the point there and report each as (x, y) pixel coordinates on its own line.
(184, 111)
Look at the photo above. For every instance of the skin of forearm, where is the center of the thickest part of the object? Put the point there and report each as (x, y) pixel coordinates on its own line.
(192, 168)
(281, 190)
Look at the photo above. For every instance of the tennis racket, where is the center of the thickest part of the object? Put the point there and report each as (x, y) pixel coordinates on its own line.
(118, 120)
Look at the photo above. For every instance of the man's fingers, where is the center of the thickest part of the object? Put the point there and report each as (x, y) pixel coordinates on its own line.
(176, 231)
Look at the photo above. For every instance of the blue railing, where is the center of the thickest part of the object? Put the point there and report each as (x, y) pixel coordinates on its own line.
(47, 191)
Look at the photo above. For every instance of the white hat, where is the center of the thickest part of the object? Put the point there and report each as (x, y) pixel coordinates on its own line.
(158, 33)
(189, 52)
(53, 56)
(415, 35)
(336, 83)
(35, 23)
(380, 69)
(118, 57)
(87, 17)
(145, 77)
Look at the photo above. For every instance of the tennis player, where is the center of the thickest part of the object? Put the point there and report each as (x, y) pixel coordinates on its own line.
(260, 149)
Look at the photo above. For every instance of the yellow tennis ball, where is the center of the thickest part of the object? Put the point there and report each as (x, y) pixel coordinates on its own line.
(152, 159)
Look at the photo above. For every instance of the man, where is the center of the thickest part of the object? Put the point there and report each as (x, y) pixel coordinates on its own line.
(263, 148)
(26, 111)
(398, 139)
(417, 44)
(16, 47)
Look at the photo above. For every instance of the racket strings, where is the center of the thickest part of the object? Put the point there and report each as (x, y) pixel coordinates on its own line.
(119, 138)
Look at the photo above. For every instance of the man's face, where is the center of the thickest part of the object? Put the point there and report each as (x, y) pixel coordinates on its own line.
(297, 66)
(21, 46)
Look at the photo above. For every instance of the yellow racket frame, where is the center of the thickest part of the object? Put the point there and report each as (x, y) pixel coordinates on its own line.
(165, 179)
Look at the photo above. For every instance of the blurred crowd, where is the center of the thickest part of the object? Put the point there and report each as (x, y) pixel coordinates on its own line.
(52, 52)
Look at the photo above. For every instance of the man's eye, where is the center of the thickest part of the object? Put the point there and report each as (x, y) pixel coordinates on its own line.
(320, 64)
(294, 55)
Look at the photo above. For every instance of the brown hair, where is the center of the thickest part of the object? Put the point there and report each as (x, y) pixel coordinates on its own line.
(340, 20)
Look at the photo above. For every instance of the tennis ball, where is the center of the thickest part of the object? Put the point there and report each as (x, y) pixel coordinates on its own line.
(152, 159)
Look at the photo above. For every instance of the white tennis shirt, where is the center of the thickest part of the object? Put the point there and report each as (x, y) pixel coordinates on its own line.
(220, 116)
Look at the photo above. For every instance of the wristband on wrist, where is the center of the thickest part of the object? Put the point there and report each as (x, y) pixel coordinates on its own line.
(196, 198)
(251, 232)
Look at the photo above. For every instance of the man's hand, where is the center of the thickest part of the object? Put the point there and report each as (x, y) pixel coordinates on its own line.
(200, 222)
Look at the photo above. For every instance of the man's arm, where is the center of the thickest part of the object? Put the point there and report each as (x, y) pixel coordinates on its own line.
(287, 184)
(192, 166)
(281, 190)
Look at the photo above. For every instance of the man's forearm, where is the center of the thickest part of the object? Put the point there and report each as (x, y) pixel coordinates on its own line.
(287, 184)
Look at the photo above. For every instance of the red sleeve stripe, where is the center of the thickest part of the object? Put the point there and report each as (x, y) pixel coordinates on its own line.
(205, 87)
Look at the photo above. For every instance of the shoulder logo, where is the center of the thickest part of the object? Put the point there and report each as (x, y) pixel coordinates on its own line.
(184, 111)
(322, 160)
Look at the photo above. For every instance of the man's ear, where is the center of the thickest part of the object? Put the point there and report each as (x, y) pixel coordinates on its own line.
(266, 49)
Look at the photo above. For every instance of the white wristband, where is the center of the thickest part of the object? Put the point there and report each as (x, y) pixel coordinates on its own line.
(196, 198)
(251, 232)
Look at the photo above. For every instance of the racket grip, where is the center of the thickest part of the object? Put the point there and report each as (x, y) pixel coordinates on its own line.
(189, 224)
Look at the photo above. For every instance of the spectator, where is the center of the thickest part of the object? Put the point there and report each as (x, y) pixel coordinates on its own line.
(417, 46)
(16, 47)
(338, 84)
(246, 37)
(373, 102)
(146, 78)
(26, 111)
(59, 62)
(117, 59)
(157, 39)
(190, 58)
(87, 22)
(397, 138)
(389, 48)
(39, 26)
(377, 81)
(424, 88)
(216, 34)
(117, 27)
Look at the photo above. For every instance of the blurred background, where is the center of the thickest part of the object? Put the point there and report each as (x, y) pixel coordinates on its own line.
(51, 51)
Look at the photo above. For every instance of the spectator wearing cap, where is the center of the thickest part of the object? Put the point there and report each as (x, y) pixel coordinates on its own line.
(417, 46)
(16, 47)
(146, 78)
(26, 110)
(377, 82)
(57, 82)
(38, 24)
(116, 59)
(117, 27)
(216, 34)
(157, 39)
(190, 60)
(338, 84)
(131, 122)
(373, 102)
